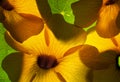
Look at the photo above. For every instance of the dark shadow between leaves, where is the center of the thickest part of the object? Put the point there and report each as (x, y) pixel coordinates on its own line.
(62, 30)
(12, 64)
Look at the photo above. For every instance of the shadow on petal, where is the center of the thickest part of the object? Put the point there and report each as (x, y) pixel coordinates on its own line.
(89, 76)
(90, 56)
(12, 65)
(62, 30)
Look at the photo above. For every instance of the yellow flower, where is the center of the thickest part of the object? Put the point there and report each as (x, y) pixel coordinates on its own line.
(47, 59)
(110, 50)
(20, 15)
(108, 19)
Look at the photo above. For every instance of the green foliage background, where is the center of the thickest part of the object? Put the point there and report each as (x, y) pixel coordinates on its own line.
(4, 51)
(62, 7)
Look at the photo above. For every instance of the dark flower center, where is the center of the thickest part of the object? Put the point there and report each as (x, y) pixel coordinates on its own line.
(6, 5)
(47, 61)
(110, 2)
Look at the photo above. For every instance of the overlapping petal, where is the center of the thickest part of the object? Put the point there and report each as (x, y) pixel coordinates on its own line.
(22, 26)
(21, 19)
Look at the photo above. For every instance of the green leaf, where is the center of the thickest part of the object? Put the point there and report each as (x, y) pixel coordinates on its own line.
(63, 7)
(4, 51)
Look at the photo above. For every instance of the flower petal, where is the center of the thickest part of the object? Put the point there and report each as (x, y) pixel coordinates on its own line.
(46, 43)
(25, 6)
(102, 44)
(60, 77)
(22, 26)
(12, 64)
(106, 25)
(72, 50)
(37, 43)
(31, 72)
(72, 69)
(46, 77)
(67, 35)
(15, 44)
(86, 11)
(93, 59)
(116, 41)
